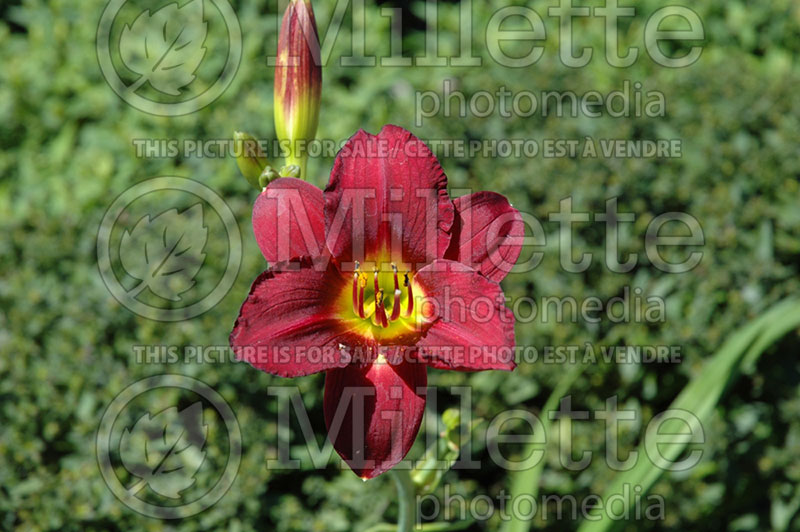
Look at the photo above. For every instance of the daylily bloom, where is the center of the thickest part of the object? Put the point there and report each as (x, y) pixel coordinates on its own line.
(373, 280)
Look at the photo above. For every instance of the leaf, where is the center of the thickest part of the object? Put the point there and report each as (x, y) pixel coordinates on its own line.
(526, 482)
(165, 48)
(701, 396)
(165, 253)
(165, 451)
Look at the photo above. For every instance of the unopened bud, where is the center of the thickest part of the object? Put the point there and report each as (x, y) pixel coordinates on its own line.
(451, 418)
(298, 81)
(290, 170)
(267, 176)
(249, 157)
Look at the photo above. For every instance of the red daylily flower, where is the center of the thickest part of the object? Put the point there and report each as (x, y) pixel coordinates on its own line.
(373, 280)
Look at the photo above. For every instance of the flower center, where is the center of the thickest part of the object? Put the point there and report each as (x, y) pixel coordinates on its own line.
(402, 301)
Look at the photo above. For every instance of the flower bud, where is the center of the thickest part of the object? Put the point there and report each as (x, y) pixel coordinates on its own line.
(451, 418)
(427, 474)
(290, 170)
(267, 176)
(249, 157)
(298, 81)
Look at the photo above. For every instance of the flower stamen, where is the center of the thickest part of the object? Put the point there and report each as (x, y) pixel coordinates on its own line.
(359, 282)
(362, 283)
(379, 316)
(355, 289)
(379, 310)
(397, 294)
(410, 308)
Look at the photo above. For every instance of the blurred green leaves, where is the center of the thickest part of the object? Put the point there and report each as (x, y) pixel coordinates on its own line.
(698, 398)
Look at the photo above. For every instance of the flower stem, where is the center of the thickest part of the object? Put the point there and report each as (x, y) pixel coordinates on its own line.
(405, 497)
(526, 481)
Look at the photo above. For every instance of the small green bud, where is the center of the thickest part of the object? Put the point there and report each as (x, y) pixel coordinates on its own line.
(427, 474)
(290, 170)
(451, 418)
(267, 176)
(249, 157)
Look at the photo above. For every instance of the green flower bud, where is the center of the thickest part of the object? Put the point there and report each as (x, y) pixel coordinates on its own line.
(451, 418)
(249, 157)
(428, 473)
(290, 170)
(298, 82)
(267, 176)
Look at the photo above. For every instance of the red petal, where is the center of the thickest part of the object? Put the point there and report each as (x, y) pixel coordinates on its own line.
(287, 325)
(373, 413)
(387, 192)
(473, 329)
(487, 234)
(288, 220)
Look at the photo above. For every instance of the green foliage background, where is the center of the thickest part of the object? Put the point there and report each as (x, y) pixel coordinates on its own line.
(66, 343)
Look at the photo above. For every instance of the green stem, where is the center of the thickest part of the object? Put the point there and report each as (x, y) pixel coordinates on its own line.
(526, 482)
(405, 497)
